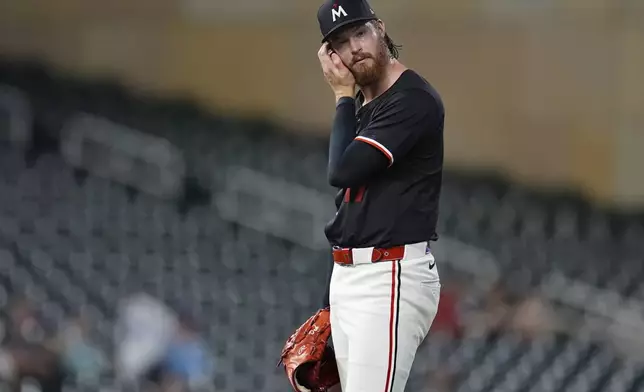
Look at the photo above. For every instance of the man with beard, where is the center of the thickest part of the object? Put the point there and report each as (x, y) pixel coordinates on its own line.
(386, 157)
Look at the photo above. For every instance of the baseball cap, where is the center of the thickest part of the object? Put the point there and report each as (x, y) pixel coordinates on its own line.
(334, 14)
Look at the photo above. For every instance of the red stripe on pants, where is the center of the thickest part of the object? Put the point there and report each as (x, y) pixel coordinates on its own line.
(391, 325)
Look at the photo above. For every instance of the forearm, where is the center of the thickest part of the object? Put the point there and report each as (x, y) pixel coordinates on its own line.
(351, 162)
(342, 134)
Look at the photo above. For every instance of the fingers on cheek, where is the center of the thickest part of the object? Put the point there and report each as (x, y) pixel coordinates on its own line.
(332, 68)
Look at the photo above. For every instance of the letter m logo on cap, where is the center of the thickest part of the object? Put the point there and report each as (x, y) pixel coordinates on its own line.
(337, 12)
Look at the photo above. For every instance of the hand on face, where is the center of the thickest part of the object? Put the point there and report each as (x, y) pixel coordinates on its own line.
(336, 73)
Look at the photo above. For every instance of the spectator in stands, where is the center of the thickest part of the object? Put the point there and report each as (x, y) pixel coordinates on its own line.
(23, 324)
(83, 361)
(533, 317)
(447, 318)
(494, 314)
(187, 365)
(30, 346)
(144, 329)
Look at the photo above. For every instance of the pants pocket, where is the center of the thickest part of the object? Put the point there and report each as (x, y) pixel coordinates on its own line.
(433, 286)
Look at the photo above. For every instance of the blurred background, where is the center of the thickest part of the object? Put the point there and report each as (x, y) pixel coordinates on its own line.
(163, 193)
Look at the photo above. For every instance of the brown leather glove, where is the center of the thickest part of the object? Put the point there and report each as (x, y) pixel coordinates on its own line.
(308, 360)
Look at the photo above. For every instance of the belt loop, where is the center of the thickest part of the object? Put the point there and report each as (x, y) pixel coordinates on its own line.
(415, 251)
(362, 255)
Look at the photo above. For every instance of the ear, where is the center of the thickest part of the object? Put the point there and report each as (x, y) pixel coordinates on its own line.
(380, 25)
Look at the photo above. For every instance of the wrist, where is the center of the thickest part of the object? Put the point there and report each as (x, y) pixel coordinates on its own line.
(344, 100)
(344, 93)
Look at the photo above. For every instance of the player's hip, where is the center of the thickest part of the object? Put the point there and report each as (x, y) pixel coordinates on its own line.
(413, 283)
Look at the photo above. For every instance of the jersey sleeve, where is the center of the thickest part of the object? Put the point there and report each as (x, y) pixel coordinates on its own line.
(401, 122)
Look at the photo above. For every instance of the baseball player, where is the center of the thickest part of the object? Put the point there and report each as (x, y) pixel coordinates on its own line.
(386, 157)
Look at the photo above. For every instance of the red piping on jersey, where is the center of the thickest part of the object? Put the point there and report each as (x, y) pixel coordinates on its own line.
(379, 146)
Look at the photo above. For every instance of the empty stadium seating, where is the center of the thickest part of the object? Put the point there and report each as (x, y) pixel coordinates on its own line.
(67, 239)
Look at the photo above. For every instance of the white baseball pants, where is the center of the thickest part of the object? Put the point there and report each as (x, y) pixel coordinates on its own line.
(380, 313)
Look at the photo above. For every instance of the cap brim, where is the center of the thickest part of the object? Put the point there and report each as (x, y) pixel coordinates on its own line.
(346, 23)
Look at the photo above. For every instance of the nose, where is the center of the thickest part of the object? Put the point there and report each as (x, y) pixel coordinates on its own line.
(355, 46)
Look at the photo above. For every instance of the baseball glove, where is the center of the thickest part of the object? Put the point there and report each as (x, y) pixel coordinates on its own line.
(308, 360)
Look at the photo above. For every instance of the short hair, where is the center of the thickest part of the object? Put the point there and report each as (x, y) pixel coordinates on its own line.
(394, 49)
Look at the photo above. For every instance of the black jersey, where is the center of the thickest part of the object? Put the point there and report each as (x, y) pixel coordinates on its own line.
(398, 204)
